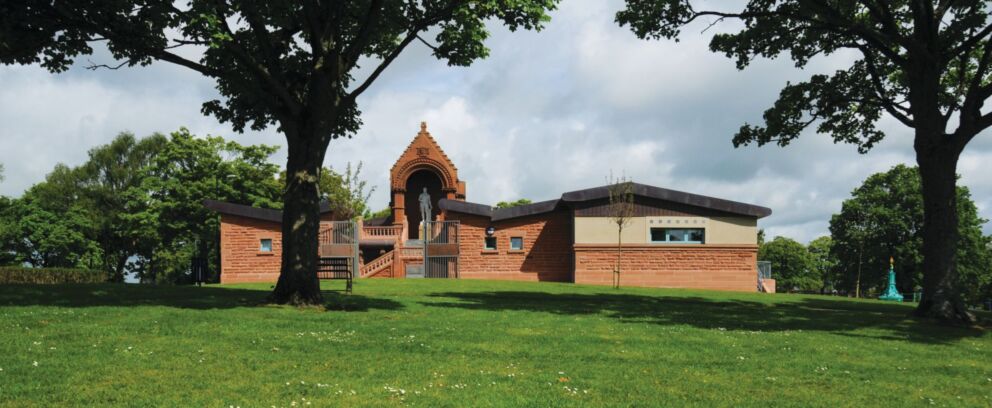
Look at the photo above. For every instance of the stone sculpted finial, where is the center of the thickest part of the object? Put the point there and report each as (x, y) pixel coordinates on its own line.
(423, 127)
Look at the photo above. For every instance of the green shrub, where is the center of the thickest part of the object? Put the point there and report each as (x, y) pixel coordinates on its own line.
(18, 274)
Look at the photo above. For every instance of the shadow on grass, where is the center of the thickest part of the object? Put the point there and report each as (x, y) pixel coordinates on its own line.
(184, 297)
(807, 314)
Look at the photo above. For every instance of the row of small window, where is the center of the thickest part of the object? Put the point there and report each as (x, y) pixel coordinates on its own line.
(516, 244)
(678, 235)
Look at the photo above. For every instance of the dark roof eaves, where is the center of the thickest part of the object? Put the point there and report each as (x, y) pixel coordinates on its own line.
(681, 197)
(247, 211)
(540, 207)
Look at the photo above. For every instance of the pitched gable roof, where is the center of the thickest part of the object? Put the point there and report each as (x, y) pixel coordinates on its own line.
(423, 140)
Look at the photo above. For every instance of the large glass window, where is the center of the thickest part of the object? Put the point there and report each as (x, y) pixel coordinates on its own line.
(678, 235)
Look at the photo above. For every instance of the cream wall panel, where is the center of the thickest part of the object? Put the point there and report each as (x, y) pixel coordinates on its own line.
(602, 230)
(719, 230)
(732, 230)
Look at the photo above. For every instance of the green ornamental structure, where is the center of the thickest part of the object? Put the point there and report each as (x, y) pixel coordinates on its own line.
(892, 294)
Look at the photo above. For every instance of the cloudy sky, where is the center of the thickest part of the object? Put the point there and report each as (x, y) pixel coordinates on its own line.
(546, 113)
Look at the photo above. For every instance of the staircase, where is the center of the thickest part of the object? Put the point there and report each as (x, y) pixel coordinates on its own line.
(382, 263)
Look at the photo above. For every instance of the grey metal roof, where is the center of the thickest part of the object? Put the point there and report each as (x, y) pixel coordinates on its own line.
(257, 213)
(681, 197)
(598, 193)
(498, 214)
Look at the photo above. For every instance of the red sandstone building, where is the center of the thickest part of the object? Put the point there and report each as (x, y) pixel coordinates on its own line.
(675, 239)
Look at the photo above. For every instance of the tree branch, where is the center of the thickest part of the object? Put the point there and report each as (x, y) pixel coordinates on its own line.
(892, 107)
(260, 71)
(354, 50)
(382, 66)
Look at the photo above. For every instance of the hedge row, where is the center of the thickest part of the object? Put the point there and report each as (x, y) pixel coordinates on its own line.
(17, 274)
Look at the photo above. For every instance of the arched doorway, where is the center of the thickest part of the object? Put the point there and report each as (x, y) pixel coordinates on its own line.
(415, 185)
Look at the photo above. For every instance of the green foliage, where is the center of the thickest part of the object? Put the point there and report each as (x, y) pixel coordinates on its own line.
(22, 275)
(136, 206)
(490, 343)
(346, 192)
(823, 263)
(290, 64)
(166, 210)
(1, 172)
(884, 218)
(892, 52)
(792, 265)
(510, 204)
(50, 234)
(107, 179)
(383, 213)
(272, 61)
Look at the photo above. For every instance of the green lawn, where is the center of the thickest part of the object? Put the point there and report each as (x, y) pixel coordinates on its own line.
(466, 343)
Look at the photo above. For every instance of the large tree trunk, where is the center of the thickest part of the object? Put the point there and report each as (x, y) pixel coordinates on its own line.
(938, 159)
(298, 283)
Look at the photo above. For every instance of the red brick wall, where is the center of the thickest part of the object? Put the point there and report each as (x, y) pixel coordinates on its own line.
(240, 258)
(547, 253)
(719, 267)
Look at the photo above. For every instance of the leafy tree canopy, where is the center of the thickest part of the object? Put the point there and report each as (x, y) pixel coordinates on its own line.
(927, 64)
(347, 193)
(792, 265)
(136, 205)
(292, 64)
(823, 263)
(509, 204)
(383, 213)
(884, 218)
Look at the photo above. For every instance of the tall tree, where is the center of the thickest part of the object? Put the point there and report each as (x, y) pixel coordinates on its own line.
(290, 64)
(347, 193)
(884, 218)
(792, 265)
(926, 64)
(165, 213)
(51, 224)
(822, 262)
(112, 170)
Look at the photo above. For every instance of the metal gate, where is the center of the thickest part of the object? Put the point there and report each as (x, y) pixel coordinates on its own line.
(339, 251)
(441, 249)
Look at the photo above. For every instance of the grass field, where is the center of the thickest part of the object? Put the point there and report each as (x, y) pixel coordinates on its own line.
(465, 343)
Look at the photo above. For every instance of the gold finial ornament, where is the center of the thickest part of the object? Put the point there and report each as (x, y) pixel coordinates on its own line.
(892, 261)
(423, 126)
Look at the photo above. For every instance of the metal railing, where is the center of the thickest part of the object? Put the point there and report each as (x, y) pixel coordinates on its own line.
(764, 272)
(441, 249)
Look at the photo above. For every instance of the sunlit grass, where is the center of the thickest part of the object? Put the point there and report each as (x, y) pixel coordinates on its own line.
(466, 343)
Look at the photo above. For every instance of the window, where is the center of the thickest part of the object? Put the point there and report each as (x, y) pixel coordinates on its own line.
(266, 245)
(516, 243)
(678, 235)
(490, 244)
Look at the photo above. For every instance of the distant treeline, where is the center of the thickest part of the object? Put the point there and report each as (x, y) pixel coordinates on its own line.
(882, 219)
(135, 206)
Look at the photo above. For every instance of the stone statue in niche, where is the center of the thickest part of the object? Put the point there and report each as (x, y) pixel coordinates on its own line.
(425, 205)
